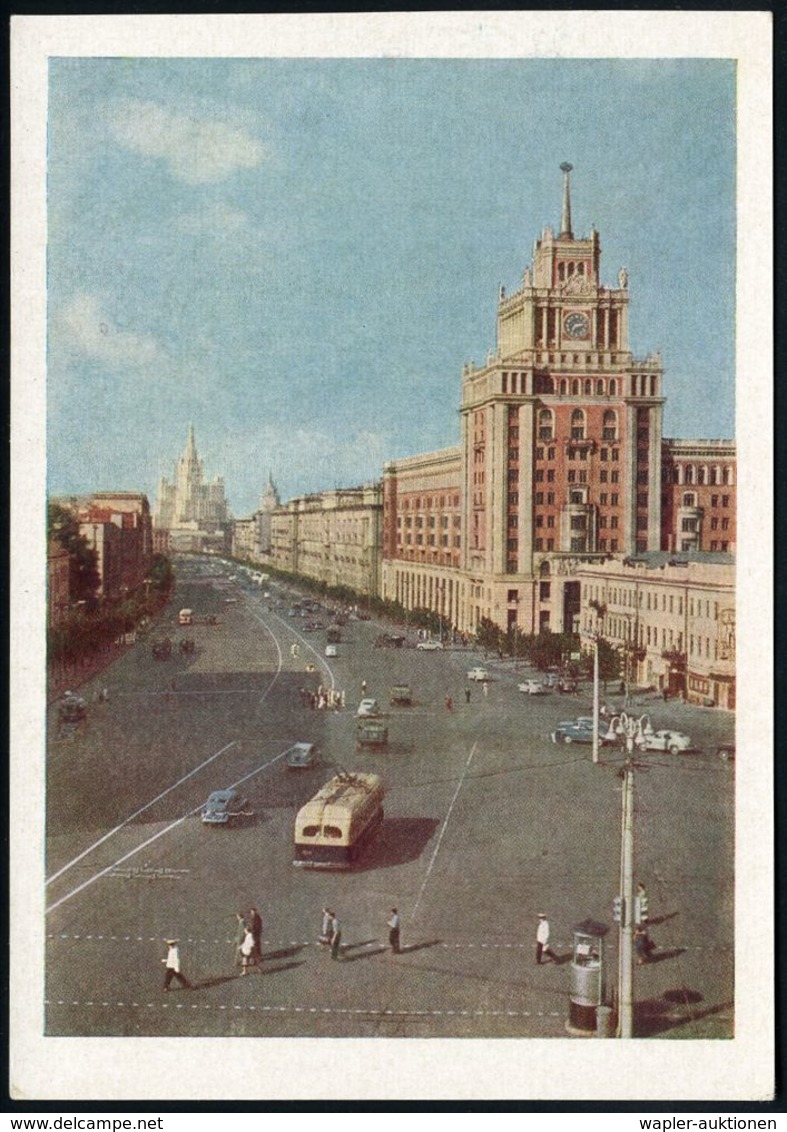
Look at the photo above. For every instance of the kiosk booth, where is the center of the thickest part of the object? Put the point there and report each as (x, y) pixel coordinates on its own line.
(588, 977)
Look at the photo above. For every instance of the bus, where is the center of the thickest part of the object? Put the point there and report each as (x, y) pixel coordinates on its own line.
(333, 828)
(185, 617)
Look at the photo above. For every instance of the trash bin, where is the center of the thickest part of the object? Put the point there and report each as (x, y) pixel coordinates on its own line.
(588, 975)
(604, 1022)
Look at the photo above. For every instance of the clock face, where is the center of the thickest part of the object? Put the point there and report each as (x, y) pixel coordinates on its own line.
(576, 325)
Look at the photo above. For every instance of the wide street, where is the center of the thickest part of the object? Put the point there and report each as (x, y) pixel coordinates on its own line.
(487, 823)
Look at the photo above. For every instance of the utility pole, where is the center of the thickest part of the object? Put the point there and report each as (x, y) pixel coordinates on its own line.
(595, 699)
(626, 949)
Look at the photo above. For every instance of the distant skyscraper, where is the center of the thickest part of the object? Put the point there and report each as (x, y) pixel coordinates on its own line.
(189, 504)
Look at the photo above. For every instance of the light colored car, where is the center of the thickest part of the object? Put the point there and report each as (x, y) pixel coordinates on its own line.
(301, 756)
(429, 646)
(672, 741)
(533, 688)
(223, 806)
(479, 674)
(331, 650)
(367, 708)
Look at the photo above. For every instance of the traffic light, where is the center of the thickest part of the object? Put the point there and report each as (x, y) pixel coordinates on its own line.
(617, 909)
(641, 908)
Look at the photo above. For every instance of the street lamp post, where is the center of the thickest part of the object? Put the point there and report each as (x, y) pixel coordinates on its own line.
(592, 639)
(633, 732)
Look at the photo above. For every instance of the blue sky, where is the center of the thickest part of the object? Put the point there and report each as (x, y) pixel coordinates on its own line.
(300, 255)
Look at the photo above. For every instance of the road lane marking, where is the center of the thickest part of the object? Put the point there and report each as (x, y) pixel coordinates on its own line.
(365, 1012)
(147, 806)
(445, 826)
(320, 659)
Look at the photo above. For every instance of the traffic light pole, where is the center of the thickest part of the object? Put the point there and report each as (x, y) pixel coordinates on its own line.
(626, 949)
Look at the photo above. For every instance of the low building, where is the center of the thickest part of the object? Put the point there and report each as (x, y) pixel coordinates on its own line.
(245, 538)
(331, 536)
(672, 615)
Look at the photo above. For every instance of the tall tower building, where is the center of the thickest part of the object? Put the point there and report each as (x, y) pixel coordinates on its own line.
(189, 504)
(560, 437)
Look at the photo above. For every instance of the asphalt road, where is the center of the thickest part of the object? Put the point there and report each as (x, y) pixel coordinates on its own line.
(487, 824)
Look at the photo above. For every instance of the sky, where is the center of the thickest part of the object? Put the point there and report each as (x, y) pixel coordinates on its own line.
(298, 256)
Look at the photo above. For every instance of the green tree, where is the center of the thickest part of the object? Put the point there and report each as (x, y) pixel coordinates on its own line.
(83, 579)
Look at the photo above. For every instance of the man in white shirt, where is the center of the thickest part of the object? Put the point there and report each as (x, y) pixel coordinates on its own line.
(542, 939)
(172, 965)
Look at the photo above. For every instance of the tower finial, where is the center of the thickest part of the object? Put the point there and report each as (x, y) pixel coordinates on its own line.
(565, 223)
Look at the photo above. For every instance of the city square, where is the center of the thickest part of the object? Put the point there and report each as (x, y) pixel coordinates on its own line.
(487, 823)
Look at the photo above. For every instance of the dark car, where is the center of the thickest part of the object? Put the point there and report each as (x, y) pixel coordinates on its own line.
(301, 756)
(224, 806)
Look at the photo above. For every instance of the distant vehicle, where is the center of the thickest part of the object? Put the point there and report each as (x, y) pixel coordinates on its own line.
(162, 650)
(576, 732)
(72, 709)
(301, 756)
(533, 688)
(389, 641)
(368, 708)
(566, 685)
(231, 600)
(331, 650)
(672, 741)
(401, 695)
(371, 735)
(293, 612)
(185, 617)
(333, 635)
(479, 674)
(224, 806)
(551, 679)
(429, 646)
(332, 829)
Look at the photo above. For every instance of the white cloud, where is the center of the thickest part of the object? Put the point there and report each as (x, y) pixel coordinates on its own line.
(91, 332)
(196, 150)
(219, 219)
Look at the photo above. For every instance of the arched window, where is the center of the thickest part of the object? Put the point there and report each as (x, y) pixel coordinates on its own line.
(600, 388)
(544, 569)
(578, 425)
(563, 386)
(613, 388)
(714, 476)
(701, 470)
(588, 387)
(610, 426)
(575, 388)
(580, 269)
(545, 424)
(726, 476)
(688, 474)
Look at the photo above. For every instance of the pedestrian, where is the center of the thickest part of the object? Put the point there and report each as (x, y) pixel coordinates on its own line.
(325, 928)
(641, 904)
(336, 935)
(467, 695)
(393, 932)
(240, 933)
(485, 686)
(172, 966)
(255, 927)
(449, 704)
(247, 951)
(643, 945)
(542, 939)
(363, 688)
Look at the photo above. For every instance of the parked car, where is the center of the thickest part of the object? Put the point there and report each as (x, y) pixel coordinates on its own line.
(577, 732)
(371, 735)
(672, 741)
(331, 650)
(551, 679)
(429, 646)
(301, 756)
(224, 806)
(567, 685)
(533, 688)
(479, 674)
(368, 707)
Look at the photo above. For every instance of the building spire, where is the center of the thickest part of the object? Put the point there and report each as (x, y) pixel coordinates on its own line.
(191, 443)
(565, 223)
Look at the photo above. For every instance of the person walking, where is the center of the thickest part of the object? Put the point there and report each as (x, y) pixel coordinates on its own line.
(485, 686)
(247, 951)
(240, 934)
(325, 928)
(467, 695)
(542, 939)
(363, 688)
(336, 935)
(172, 966)
(255, 927)
(449, 704)
(394, 928)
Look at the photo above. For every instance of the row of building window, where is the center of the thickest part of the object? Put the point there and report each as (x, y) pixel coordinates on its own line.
(701, 475)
